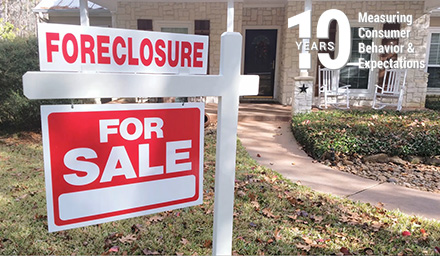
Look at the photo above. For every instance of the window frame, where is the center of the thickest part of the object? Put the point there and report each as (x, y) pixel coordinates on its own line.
(431, 30)
(159, 24)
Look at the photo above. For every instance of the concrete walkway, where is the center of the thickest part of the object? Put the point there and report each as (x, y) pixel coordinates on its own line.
(264, 131)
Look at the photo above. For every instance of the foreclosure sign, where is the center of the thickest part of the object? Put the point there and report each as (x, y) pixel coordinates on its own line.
(111, 162)
(80, 48)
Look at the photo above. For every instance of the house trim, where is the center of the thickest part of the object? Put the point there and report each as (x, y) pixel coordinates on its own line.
(158, 24)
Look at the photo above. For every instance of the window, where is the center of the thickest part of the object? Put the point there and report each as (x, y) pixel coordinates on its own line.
(144, 24)
(202, 27)
(181, 27)
(351, 74)
(434, 60)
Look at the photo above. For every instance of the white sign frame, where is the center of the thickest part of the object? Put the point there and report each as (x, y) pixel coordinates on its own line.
(228, 86)
(127, 45)
(98, 207)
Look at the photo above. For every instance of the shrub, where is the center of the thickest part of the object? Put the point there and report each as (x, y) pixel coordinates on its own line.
(17, 56)
(433, 102)
(368, 132)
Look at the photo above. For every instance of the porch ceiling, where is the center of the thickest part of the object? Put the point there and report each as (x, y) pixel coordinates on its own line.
(111, 5)
(432, 5)
(65, 5)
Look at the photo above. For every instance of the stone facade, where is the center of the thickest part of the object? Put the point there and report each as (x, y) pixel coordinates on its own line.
(129, 12)
(276, 17)
(263, 16)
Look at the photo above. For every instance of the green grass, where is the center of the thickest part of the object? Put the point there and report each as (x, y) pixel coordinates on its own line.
(369, 132)
(272, 216)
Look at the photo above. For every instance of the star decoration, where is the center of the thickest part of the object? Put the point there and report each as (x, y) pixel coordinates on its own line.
(303, 88)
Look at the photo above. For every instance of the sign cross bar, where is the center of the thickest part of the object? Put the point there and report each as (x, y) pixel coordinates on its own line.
(69, 85)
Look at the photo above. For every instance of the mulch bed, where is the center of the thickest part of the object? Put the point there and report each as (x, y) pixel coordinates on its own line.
(420, 176)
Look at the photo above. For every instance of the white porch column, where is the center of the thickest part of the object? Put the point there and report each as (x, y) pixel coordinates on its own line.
(85, 21)
(307, 7)
(84, 12)
(230, 21)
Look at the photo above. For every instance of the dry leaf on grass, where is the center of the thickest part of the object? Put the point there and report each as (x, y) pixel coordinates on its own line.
(345, 251)
(307, 240)
(114, 249)
(156, 218)
(376, 226)
(207, 243)
(184, 241)
(128, 239)
(277, 235)
(268, 213)
(256, 205)
(150, 252)
(303, 247)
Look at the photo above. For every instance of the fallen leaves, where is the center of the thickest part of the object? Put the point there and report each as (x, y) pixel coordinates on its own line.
(114, 249)
(303, 247)
(136, 228)
(406, 233)
(150, 252)
(184, 241)
(368, 251)
(207, 244)
(277, 235)
(155, 218)
(345, 251)
(128, 239)
(256, 205)
(111, 239)
(268, 213)
(376, 226)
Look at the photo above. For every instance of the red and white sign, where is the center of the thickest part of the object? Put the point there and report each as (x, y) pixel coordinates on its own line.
(80, 48)
(111, 162)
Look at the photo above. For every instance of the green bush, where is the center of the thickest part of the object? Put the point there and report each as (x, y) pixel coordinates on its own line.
(368, 132)
(432, 103)
(17, 56)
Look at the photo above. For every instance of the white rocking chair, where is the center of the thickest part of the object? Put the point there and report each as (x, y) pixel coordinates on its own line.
(393, 86)
(328, 80)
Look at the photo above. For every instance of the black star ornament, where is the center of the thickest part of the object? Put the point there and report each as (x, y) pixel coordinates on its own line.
(303, 88)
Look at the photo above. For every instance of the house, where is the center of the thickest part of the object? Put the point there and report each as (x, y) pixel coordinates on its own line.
(270, 46)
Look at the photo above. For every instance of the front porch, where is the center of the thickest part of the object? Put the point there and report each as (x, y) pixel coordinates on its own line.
(270, 47)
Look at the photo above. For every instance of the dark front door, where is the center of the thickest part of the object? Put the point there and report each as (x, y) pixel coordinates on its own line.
(259, 57)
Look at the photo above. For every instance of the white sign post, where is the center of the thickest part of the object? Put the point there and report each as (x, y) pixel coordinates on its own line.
(228, 86)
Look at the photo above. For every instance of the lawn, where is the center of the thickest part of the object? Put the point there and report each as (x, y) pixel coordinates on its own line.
(272, 216)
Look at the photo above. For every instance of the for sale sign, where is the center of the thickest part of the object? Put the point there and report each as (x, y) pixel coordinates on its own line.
(111, 162)
(79, 48)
